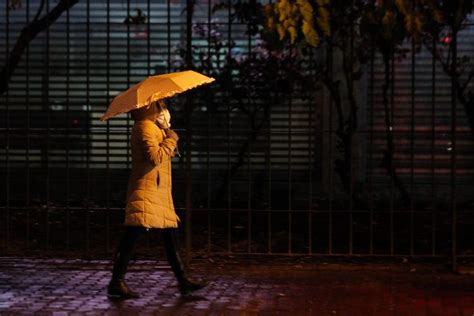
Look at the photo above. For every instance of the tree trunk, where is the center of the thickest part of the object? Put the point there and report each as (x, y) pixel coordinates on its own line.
(387, 161)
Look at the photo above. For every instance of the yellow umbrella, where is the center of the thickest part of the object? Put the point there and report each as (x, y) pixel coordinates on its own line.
(154, 88)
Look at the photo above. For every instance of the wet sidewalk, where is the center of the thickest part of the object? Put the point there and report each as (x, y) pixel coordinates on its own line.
(237, 287)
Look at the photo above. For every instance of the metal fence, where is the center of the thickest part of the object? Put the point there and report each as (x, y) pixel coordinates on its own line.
(266, 167)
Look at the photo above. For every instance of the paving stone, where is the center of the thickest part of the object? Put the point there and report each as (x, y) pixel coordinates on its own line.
(78, 287)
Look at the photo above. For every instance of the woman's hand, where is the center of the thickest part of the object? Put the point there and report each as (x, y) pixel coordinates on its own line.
(172, 134)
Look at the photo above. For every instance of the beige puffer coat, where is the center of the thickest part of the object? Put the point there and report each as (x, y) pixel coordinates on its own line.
(149, 198)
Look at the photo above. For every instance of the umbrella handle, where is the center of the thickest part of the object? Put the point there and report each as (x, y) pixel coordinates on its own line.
(177, 151)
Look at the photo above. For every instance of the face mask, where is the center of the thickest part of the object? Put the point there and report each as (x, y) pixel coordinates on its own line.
(164, 119)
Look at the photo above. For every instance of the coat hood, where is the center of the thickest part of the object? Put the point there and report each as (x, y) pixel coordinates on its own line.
(149, 112)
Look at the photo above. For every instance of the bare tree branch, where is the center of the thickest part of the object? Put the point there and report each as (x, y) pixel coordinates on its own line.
(28, 33)
(468, 80)
(464, 97)
(40, 9)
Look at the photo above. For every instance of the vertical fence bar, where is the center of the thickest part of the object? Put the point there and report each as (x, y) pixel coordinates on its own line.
(392, 131)
(453, 152)
(47, 107)
(148, 35)
(371, 146)
(169, 69)
(268, 137)
(412, 146)
(189, 20)
(28, 179)
(312, 149)
(148, 47)
(352, 133)
(290, 214)
(208, 157)
(89, 131)
(433, 148)
(208, 141)
(107, 146)
(249, 157)
(168, 65)
(128, 85)
(269, 184)
(68, 131)
(249, 199)
(168, 29)
(330, 161)
(269, 175)
(7, 121)
(229, 183)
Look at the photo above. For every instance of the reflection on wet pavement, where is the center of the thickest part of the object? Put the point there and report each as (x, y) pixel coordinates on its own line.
(65, 286)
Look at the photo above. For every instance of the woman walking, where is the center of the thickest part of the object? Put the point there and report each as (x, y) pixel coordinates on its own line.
(149, 199)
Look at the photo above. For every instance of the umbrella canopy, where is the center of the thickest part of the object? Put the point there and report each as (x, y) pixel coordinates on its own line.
(154, 88)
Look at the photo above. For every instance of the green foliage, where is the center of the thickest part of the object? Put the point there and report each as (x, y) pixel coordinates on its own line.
(300, 20)
(390, 22)
(309, 21)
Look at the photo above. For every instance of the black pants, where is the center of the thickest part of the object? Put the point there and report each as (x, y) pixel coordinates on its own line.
(127, 246)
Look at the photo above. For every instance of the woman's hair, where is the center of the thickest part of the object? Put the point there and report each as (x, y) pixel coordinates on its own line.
(162, 105)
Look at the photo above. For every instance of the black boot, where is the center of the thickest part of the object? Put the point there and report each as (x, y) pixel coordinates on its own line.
(185, 284)
(117, 287)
